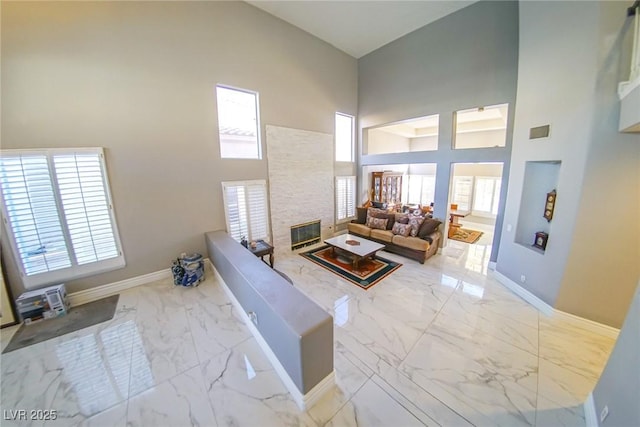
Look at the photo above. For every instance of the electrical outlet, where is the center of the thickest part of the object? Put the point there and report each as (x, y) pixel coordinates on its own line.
(523, 278)
(254, 317)
(604, 413)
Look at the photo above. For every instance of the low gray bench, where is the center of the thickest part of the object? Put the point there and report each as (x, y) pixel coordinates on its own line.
(298, 333)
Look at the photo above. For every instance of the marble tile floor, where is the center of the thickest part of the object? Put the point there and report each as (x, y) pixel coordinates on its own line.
(436, 344)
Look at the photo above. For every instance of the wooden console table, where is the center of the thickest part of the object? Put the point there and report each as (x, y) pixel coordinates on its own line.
(454, 224)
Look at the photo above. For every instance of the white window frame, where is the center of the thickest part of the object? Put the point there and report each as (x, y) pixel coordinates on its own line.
(76, 269)
(418, 183)
(221, 136)
(247, 229)
(349, 202)
(465, 203)
(495, 196)
(351, 139)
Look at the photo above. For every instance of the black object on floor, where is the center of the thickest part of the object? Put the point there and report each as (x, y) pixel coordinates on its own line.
(79, 317)
(284, 276)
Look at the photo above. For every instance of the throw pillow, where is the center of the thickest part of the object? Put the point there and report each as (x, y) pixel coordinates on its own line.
(362, 215)
(383, 214)
(415, 222)
(379, 223)
(377, 213)
(401, 229)
(402, 218)
(379, 205)
(429, 225)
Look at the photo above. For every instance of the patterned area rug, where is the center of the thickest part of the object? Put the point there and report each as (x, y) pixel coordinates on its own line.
(369, 271)
(467, 236)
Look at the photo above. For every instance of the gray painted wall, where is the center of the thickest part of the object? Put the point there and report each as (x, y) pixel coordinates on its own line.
(619, 384)
(138, 78)
(590, 265)
(467, 59)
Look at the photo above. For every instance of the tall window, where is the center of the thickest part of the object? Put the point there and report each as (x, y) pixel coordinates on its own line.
(422, 189)
(462, 192)
(345, 197)
(58, 212)
(238, 123)
(344, 138)
(245, 208)
(487, 195)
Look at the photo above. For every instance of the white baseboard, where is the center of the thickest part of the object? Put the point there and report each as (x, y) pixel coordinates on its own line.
(304, 401)
(600, 328)
(590, 414)
(88, 295)
(492, 265)
(548, 310)
(525, 294)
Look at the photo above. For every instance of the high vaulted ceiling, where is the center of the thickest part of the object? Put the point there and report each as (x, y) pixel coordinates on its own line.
(360, 27)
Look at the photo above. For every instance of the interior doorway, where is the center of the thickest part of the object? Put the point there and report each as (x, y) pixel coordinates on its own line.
(474, 198)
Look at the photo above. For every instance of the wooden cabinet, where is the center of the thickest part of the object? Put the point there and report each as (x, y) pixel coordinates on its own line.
(386, 187)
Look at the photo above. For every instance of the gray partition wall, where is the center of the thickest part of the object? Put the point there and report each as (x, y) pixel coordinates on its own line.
(298, 331)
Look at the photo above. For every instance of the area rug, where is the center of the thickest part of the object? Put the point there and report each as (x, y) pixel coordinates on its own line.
(369, 271)
(466, 235)
(79, 317)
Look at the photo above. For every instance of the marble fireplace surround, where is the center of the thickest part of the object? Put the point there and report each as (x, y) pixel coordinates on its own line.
(301, 183)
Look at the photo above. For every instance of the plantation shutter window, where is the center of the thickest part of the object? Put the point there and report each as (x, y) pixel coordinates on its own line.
(246, 211)
(345, 197)
(58, 212)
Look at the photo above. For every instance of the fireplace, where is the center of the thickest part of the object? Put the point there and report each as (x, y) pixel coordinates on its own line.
(305, 234)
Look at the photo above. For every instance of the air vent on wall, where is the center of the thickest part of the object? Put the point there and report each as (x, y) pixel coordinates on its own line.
(539, 132)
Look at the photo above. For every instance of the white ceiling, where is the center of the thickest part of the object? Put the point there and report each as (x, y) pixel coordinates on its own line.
(360, 27)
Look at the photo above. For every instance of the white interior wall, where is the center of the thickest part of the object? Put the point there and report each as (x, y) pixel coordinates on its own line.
(381, 142)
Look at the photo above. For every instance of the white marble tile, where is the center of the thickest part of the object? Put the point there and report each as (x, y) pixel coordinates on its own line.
(112, 417)
(213, 320)
(551, 414)
(179, 401)
(418, 401)
(30, 381)
(165, 349)
(244, 389)
(497, 379)
(574, 348)
(563, 386)
(349, 379)
(465, 318)
(371, 406)
(390, 334)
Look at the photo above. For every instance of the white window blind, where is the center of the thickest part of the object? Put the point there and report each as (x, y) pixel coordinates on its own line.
(345, 197)
(238, 123)
(344, 137)
(487, 195)
(246, 209)
(462, 192)
(57, 210)
(422, 189)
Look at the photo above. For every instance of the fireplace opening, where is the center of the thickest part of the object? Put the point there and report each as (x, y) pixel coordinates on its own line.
(305, 234)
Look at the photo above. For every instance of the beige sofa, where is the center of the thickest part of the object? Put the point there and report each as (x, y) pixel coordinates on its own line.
(416, 248)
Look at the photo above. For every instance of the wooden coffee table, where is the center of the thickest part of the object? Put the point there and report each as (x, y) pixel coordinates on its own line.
(358, 248)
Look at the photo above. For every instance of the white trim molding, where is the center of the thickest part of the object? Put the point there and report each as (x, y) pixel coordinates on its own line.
(524, 294)
(88, 295)
(590, 414)
(548, 310)
(304, 401)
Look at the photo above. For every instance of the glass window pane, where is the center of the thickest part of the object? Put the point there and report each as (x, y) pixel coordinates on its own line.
(344, 138)
(238, 123)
